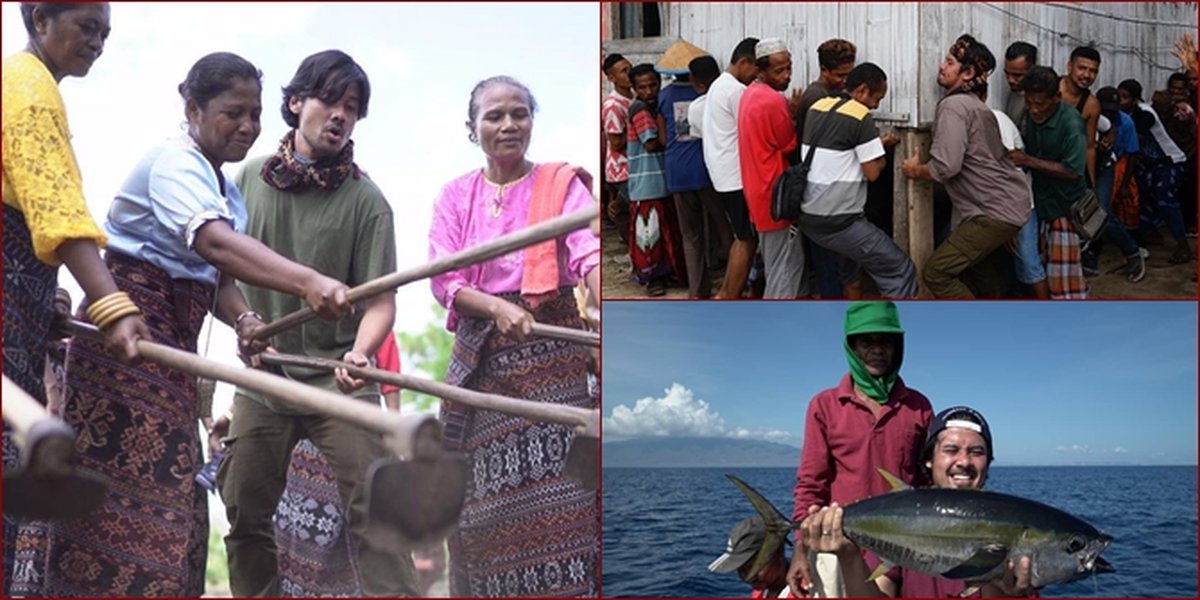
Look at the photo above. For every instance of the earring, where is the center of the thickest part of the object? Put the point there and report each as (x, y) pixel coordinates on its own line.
(474, 138)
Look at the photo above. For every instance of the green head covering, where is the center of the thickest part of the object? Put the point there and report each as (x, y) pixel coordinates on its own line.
(873, 317)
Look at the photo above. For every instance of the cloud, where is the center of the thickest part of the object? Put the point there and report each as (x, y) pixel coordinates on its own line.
(1074, 449)
(1120, 450)
(678, 413)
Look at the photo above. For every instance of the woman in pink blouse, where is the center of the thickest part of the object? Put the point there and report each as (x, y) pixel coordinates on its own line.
(520, 507)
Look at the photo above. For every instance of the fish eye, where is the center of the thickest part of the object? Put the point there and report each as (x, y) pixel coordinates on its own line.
(1075, 544)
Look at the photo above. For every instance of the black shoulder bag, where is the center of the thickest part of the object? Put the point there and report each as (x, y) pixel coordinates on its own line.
(787, 193)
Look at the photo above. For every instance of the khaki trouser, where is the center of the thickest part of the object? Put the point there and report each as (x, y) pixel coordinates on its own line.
(252, 479)
(969, 245)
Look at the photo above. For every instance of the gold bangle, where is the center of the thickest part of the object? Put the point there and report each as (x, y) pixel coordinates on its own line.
(111, 309)
(105, 313)
(106, 302)
(120, 314)
(102, 314)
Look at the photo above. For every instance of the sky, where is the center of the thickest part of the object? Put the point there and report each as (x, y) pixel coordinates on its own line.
(422, 59)
(1060, 383)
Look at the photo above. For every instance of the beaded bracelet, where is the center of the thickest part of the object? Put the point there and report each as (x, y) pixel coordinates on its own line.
(250, 313)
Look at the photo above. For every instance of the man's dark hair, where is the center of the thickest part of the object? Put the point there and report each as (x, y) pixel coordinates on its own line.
(50, 9)
(214, 74)
(326, 76)
(836, 52)
(1087, 52)
(1040, 80)
(744, 49)
(1177, 77)
(611, 60)
(1022, 50)
(1133, 86)
(981, 90)
(868, 73)
(643, 69)
(704, 69)
(976, 55)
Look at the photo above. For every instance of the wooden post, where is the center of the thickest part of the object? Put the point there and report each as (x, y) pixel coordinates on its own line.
(912, 205)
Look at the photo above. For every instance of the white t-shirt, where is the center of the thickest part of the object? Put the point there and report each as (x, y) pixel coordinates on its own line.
(696, 116)
(720, 139)
(1010, 136)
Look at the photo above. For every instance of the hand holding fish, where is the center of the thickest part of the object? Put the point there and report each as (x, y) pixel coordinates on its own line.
(799, 575)
(823, 531)
(1014, 583)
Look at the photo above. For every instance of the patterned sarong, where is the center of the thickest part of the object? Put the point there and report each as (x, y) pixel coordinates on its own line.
(137, 428)
(655, 247)
(526, 529)
(29, 286)
(1126, 209)
(1064, 271)
(311, 537)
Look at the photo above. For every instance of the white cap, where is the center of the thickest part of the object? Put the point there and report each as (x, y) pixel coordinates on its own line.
(768, 47)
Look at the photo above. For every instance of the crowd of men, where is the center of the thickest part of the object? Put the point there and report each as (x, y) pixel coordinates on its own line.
(691, 168)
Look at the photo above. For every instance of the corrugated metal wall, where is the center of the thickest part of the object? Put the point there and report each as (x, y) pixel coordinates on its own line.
(908, 40)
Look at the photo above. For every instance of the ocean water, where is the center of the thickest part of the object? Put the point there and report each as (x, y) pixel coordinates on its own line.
(662, 527)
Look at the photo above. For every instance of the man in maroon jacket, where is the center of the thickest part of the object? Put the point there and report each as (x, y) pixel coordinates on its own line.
(871, 419)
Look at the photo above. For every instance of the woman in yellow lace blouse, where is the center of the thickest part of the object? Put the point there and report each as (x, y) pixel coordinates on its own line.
(46, 221)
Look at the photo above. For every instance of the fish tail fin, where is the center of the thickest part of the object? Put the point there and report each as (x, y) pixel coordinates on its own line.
(896, 483)
(773, 518)
(970, 590)
(777, 525)
(884, 567)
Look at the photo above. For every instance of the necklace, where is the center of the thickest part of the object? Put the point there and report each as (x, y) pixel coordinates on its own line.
(497, 205)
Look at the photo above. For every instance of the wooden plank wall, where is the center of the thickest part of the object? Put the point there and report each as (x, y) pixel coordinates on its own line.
(908, 40)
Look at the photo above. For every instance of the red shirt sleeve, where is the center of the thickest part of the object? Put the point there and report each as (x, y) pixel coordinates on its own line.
(388, 359)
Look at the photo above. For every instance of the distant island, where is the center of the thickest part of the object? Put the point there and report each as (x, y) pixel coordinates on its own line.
(682, 452)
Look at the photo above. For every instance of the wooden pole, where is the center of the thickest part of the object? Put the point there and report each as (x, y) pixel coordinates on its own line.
(500, 246)
(407, 435)
(912, 211)
(579, 336)
(585, 421)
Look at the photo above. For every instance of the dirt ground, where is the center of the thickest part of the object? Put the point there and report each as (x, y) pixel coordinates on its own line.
(1163, 280)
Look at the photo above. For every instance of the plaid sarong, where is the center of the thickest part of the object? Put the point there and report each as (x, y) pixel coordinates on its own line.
(1064, 271)
(137, 428)
(526, 530)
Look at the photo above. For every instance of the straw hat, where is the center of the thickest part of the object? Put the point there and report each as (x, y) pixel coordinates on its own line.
(675, 60)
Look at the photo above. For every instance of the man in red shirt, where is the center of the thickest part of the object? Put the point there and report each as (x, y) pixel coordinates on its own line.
(957, 454)
(766, 136)
(871, 419)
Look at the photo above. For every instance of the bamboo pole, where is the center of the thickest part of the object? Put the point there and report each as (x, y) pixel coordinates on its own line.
(584, 421)
(578, 336)
(410, 436)
(500, 246)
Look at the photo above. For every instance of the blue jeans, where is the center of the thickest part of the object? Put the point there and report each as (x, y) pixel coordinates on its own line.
(1026, 260)
(1160, 193)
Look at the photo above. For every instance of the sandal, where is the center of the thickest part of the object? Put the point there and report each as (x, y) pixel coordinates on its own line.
(1136, 268)
(656, 288)
(1182, 255)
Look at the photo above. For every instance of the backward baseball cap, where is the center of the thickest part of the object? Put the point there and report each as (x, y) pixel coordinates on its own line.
(745, 539)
